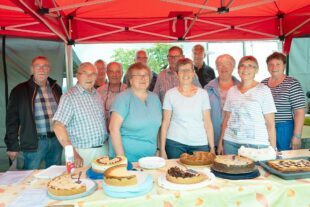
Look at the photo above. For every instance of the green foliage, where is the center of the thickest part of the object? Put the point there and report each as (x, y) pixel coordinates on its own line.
(157, 57)
(307, 121)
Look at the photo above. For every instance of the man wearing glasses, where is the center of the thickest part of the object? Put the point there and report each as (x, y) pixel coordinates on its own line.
(30, 138)
(168, 78)
(79, 120)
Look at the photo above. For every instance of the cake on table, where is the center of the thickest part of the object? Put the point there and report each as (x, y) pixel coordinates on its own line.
(64, 185)
(100, 164)
(258, 154)
(197, 158)
(119, 176)
(290, 165)
(233, 164)
(179, 176)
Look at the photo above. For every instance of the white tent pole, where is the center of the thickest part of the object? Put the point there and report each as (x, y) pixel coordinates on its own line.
(255, 32)
(31, 31)
(61, 21)
(22, 25)
(99, 35)
(207, 33)
(296, 28)
(191, 4)
(152, 33)
(11, 8)
(69, 65)
(253, 4)
(44, 21)
(98, 23)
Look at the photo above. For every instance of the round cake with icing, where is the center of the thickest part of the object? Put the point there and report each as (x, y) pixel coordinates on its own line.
(197, 158)
(179, 176)
(101, 164)
(233, 164)
(119, 176)
(64, 185)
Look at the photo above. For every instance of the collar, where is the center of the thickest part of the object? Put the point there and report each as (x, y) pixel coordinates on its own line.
(82, 90)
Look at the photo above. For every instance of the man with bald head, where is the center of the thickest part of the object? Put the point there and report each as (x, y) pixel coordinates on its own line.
(217, 90)
(204, 72)
(79, 120)
(168, 78)
(114, 86)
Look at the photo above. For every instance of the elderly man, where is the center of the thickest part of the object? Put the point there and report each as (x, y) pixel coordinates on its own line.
(79, 120)
(109, 91)
(101, 77)
(217, 90)
(141, 56)
(167, 78)
(29, 134)
(204, 72)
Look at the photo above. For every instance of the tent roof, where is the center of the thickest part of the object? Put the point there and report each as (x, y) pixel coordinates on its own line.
(93, 21)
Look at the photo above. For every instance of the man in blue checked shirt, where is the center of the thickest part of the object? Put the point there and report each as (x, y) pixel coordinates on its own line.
(29, 136)
(79, 120)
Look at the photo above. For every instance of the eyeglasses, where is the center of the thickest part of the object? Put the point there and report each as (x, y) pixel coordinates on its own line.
(45, 67)
(248, 66)
(141, 76)
(114, 72)
(185, 71)
(173, 56)
(88, 74)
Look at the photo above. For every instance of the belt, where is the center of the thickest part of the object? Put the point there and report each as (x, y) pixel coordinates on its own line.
(97, 146)
(48, 135)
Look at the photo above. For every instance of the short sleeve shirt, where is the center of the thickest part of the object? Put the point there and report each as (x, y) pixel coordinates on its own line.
(141, 122)
(246, 124)
(187, 124)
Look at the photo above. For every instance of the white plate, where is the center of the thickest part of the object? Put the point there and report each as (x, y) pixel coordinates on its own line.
(163, 182)
(91, 187)
(152, 162)
(51, 172)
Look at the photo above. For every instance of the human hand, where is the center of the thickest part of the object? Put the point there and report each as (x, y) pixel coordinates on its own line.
(295, 143)
(220, 149)
(78, 160)
(163, 154)
(212, 150)
(12, 155)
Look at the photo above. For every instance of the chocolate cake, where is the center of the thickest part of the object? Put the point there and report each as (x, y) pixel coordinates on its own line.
(233, 164)
(179, 176)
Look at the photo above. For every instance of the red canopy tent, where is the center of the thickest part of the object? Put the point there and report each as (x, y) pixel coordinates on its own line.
(94, 21)
(81, 21)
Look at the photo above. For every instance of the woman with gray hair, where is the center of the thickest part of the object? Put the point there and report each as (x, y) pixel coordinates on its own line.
(248, 112)
(186, 125)
(217, 90)
(135, 117)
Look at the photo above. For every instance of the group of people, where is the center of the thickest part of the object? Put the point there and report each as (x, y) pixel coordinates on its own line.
(181, 110)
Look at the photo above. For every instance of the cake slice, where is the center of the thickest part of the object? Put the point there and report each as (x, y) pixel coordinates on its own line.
(119, 176)
(64, 185)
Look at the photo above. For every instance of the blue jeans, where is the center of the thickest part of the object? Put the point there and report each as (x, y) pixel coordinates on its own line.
(49, 150)
(175, 149)
(231, 148)
(284, 132)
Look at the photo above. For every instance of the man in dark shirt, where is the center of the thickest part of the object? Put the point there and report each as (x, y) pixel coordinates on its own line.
(204, 72)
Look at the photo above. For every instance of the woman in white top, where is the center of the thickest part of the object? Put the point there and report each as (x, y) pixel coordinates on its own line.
(186, 125)
(248, 112)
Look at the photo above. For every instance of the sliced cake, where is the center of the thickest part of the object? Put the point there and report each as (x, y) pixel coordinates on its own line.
(179, 176)
(119, 176)
(64, 185)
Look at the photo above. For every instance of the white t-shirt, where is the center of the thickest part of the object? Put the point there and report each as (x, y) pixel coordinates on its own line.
(186, 124)
(246, 124)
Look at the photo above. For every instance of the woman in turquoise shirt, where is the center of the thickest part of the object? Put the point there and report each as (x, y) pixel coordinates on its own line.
(135, 117)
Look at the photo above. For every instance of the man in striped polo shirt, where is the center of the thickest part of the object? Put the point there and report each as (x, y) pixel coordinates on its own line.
(79, 120)
(32, 104)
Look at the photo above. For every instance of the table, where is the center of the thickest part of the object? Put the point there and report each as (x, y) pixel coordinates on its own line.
(264, 191)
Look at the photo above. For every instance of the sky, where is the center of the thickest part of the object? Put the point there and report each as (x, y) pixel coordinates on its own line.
(259, 49)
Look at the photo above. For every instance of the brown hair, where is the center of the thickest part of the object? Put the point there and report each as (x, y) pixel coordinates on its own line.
(278, 56)
(136, 66)
(175, 48)
(184, 61)
(248, 58)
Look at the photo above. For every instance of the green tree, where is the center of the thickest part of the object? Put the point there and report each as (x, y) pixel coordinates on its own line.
(157, 56)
